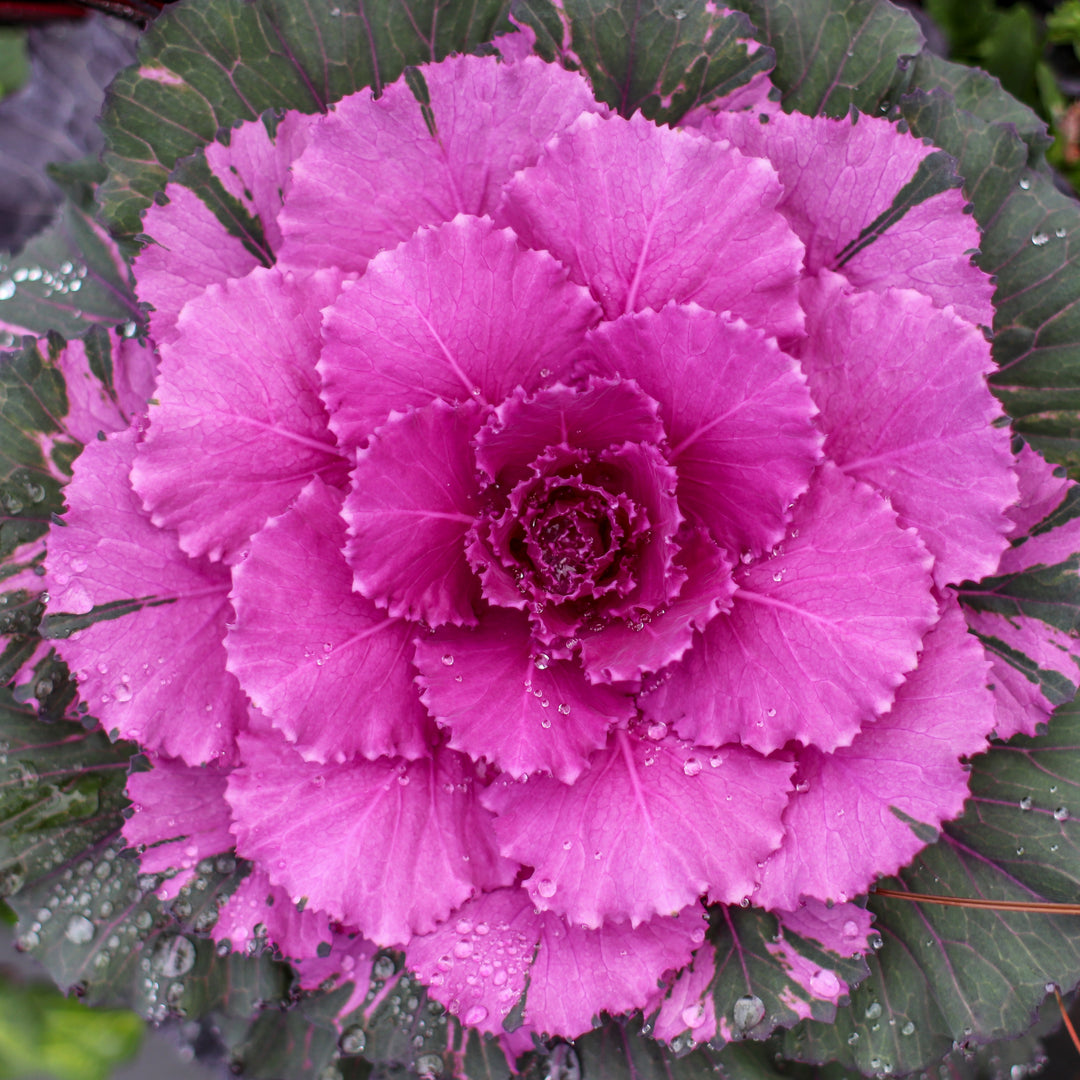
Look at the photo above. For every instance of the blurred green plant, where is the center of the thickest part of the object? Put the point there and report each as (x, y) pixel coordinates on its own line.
(43, 1033)
(14, 62)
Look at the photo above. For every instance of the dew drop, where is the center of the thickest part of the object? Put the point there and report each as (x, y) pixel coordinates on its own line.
(1025, 802)
(691, 766)
(174, 956)
(541, 661)
(908, 1028)
(476, 1015)
(851, 929)
(353, 1040)
(448, 659)
(7, 289)
(657, 730)
(873, 1010)
(1061, 813)
(1039, 239)
(1025, 184)
(383, 967)
(693, 1016)
(748, 1012)
(546, 888)
(564, 709)
(824, 983)
(79, 930)
(429, 1065)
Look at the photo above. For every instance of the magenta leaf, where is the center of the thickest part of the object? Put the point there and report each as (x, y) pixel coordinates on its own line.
(402, 336)
(706, 231)
(859, 811)
(741, 434)
(503, 698)
(388, 846)
(156, 673)
(498, 963)
(375, 171)
(820, 635)
(327, 668)
(650, 827)
(883, 207)
(241, 373)
(413, 497)
(920, 431)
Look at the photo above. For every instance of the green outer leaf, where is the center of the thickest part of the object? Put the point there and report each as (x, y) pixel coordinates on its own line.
(66, 279)
(835, 55)
(663, 57)
(947, 974)
(205, 66)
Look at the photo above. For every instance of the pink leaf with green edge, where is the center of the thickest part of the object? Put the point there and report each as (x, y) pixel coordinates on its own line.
(238, 386)
(152, 665)
(257, 169)
(414, 495)
(1025, 615)
(819, 637)
(627, 648)
(373, 173)
(497, 948)
(95, 406)
(741, 431)
(389, 847)
(684, 1003)
(650, 827)
(459, 312)
(505, 700)
(330, 670)
(840, 180)
(260, 911)
(179, 817)
(703, 225)
(598, 415)
(847, 823)
(922, 432)
(191, 250)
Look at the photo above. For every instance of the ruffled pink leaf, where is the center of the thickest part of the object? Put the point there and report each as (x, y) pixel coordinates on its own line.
(414, 496)
(180, 817)
(373, 173)
(920, 431)
(603, 413)
(459, 312)
(498, 948)
(741, 430)
(157, 674)
(644, 214)
(649, 828)
(259, 910)
(627, 648)
(389, 847)
(329, 669)
(820, 635)
(840, 177)
(843, 826)
(505, 700)
(238, 390)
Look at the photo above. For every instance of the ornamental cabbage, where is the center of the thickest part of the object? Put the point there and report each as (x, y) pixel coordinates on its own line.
(552, 528)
